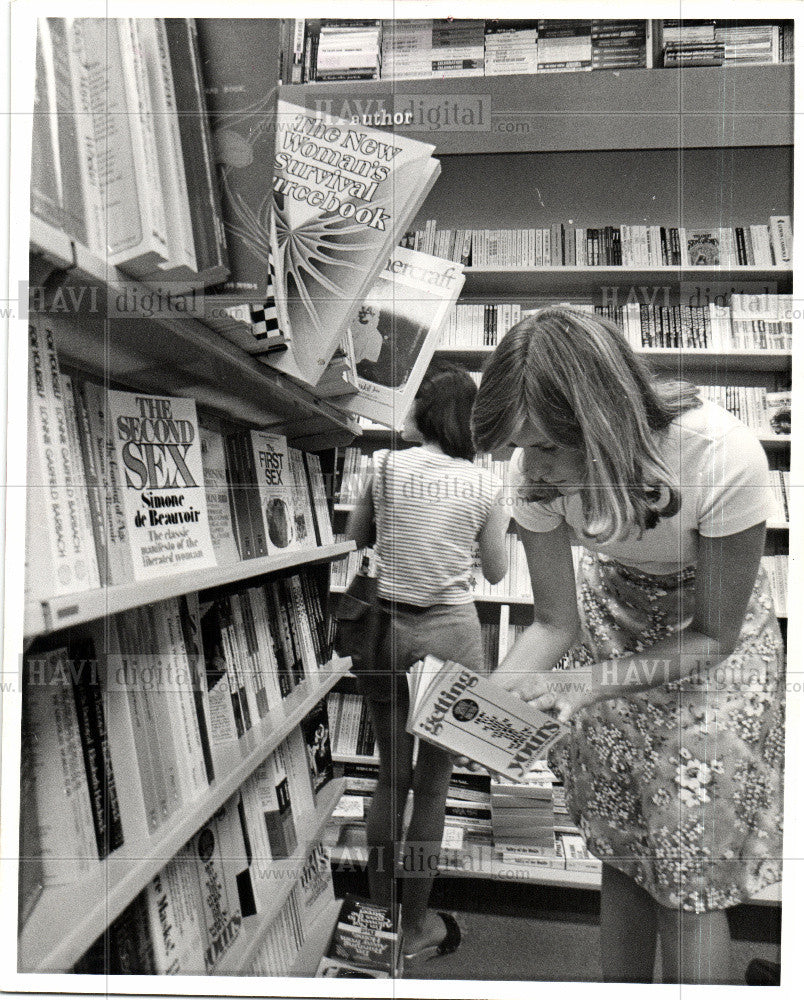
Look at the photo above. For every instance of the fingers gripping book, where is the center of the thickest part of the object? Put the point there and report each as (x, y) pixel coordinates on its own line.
(465, 713)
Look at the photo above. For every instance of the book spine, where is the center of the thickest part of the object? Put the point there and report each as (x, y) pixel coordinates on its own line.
(47, 495)
(302, 623)
(240, 509)
(66, 832)
(95, 745)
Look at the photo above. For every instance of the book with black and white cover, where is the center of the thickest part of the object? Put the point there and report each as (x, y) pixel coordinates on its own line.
(467, 714)
(269, 470)
(319, 498)
(365, 936)
(343, 194)
(175, 909)
(316, 731)
(216, 870)
(396, 331)
(778, 410)
(275, 809)
(303, 522)
(158, 452)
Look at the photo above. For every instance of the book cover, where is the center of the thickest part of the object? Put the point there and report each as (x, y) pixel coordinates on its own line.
(343, 195)
(459, 710)
(703, 249)
(364, 935)
(778, 410)
(275, 488)
(396, 331)
(241, 99)
(304, 527)
(275, 811)
(220, 914)
(316, 732)
(216, 484)
(319, 498)
(158, 451)
(175, 908)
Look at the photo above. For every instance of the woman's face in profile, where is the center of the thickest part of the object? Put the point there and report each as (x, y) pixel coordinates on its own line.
(550, 469)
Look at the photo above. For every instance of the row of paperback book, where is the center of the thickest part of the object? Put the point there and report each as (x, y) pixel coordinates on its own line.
(768, 413)
(340, 50)
(126, 486)
(776, 566)
(168, 696)
(780, 487)
(634, 246)
(191, 916)
(750, 322)
(719, 43)
(351, 731)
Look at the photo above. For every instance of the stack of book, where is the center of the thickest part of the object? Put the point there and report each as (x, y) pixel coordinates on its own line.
(565, 46)
(457, 48)
(522, 817)
(407, 49)
(776, 568)
(780, 486)
(691, 43)
(348, 50)
(750, 43)
(621, 44)
(511, 47)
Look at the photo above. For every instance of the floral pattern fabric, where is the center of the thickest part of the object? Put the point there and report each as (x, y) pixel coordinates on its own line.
(679, 786)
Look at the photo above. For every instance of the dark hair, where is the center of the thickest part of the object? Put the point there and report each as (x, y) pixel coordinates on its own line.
(443, 408)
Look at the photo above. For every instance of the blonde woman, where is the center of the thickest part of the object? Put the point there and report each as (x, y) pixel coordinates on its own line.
(673, 764)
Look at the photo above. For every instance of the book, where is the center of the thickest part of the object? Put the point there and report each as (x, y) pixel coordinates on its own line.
(209, 239)
(175, 910)
(365, 936)
(219, 856)
(319, 499)
(272, 490)
(275, 811)
(216, 484)
(460, 711)
(396, 332)
(778, 410)
(316, 732)
(240, 95)
(158, 452)
(303, 522)
(343, 195)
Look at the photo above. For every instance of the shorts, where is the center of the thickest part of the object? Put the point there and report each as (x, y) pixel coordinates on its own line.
(448, 631)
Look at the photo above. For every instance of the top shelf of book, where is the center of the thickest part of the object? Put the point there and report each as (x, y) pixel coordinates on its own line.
(689, 107)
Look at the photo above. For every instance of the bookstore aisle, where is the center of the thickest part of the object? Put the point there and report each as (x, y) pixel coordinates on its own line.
(213, 355)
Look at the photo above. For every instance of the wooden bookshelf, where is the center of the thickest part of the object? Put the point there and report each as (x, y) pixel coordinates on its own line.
(51, 614)
(285, 874)
(719, 106)
(67, 919)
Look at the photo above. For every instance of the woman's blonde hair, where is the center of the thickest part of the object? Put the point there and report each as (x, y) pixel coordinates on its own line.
(576, 375)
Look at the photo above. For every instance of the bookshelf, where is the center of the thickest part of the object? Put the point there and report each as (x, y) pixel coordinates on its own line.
(54, 938)
(42, 617)
(656, 109)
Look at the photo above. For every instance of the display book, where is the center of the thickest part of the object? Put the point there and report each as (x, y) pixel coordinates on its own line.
(128, 486)
(365, 942)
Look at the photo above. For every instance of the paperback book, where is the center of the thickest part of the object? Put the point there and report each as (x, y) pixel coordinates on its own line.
(460, 711)
(158, 451)
(396, 331)
(343, 195)
(364, 942)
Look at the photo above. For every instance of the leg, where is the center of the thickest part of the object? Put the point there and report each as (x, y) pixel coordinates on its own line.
(384, 821)
(696, 947)
(423, 847)
(627, 929)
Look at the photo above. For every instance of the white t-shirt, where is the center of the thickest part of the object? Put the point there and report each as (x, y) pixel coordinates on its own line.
(721, 471)
(428, 521)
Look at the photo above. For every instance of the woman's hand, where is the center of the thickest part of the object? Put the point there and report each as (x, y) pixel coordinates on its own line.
(559, 692)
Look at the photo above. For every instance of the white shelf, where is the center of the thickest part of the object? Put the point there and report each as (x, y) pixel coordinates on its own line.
(353, 758)
(477, 598)
(677, 358)
(287, 872)
(176, 352)
(60, 612)
(521, 280)
(51, 243)
(316, 942)
(67, 919)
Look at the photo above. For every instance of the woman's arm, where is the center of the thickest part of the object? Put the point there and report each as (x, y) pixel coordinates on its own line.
(556, 625)
(493, 550)
(360, 525)
(725, 576)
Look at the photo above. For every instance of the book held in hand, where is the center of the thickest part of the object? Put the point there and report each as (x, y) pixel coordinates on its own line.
(458, 710)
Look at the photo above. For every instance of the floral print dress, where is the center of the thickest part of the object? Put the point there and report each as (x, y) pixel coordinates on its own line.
(679, 786)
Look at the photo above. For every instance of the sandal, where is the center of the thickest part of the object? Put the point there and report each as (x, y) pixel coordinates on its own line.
(448, 944)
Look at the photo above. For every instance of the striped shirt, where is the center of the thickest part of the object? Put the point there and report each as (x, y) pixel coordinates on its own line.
(428, 521)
